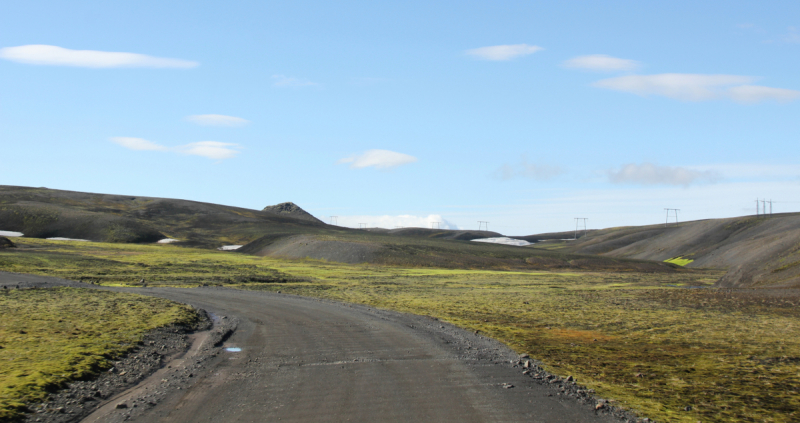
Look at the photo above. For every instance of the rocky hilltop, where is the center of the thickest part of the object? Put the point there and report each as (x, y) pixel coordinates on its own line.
(291, 209)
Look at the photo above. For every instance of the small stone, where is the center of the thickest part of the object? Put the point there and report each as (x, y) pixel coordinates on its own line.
(121, 405)
(570, 379)
(599, 406)
(687, 408)
(60, 410)
(527, 364)
(524, 356)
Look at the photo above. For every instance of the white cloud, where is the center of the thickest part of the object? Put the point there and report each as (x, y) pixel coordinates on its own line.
(602, 62)
(503, 52)
(381, 159)
(138, 144)
(539, 172)
(288, 81)
(392, 222)
(210, 149)
(39, 54)
(756, 93)
(752, 170)
(217, 120)
(680, 86)
(651, 174)
(698, 87)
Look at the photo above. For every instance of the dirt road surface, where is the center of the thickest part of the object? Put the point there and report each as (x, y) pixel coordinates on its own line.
(304, 360)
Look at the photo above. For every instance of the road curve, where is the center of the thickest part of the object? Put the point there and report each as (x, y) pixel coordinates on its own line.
(307, 360)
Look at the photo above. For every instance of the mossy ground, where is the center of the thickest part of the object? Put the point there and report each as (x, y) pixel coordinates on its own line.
(49, 337)
(680, 261)
(646, 340)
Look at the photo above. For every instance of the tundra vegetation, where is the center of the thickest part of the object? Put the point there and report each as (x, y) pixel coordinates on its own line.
(664, 344)
(49, 337)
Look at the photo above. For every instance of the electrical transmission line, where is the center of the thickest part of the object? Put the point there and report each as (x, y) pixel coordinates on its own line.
(577, 220)
(676, 216)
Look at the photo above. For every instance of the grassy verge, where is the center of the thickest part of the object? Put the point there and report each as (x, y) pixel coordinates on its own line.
(49, 337)
(671, 353)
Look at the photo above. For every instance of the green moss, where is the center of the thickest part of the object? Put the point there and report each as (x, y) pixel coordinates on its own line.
(680, 261)
(49, 337)
(631, 336)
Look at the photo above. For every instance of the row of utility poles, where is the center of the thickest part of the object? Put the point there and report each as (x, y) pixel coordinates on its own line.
(763, 207)
(580, 222)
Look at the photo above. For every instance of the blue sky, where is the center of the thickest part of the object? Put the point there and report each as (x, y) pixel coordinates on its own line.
(523, 114)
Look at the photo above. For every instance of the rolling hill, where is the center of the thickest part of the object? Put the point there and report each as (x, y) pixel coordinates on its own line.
(755, 250)
(284, 230)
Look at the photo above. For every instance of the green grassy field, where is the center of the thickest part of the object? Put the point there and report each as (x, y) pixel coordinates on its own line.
(646, 340)
(49, 337)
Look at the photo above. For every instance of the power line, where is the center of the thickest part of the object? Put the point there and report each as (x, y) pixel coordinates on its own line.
(362, 226)
(334, 220)
(482, 223)
(435, 223)
(578, 219)
(676, 216)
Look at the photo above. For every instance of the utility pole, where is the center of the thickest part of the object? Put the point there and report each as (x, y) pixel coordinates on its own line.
(676, 216)
(482, 223)
(770, 207)
(334, 220)
(435, 223)
(362, 226)
(756, 207)
(578, 219)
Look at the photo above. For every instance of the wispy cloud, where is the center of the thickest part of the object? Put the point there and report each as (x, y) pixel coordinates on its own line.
(651, 174)
(503, 52)
(289, 81)
(753, 170)
(217, 120)
(523, 169)
(380, 159)
(210, 149)
(138, 144)
(397, 221)
(602, 62)
(40, 54)
(756, 94)
(698, 87)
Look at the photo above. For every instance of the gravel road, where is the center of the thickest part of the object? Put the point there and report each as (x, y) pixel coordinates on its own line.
(305, 359)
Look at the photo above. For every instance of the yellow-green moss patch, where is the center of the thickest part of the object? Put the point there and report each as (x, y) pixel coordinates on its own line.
(680, 261)
(49, 337)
